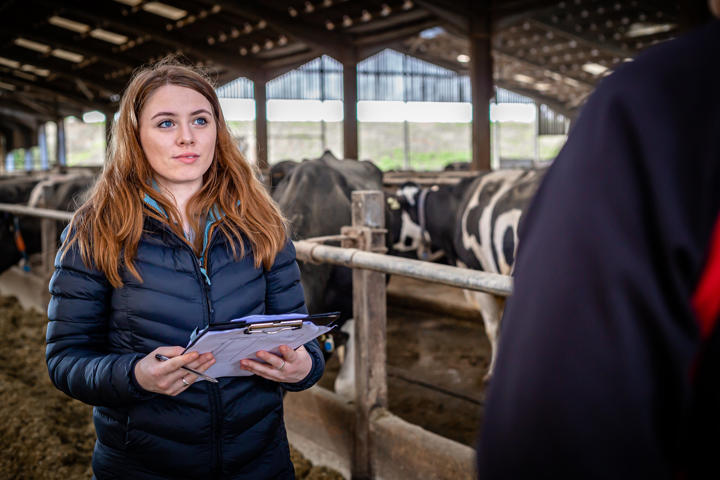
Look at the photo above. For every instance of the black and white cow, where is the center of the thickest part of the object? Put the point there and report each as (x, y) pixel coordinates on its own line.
(429, 240)
(66, 192)
(16, 191)
(315, 197)
(476, 224)
(280, 170)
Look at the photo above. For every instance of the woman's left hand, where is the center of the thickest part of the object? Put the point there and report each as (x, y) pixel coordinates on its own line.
(291, 367)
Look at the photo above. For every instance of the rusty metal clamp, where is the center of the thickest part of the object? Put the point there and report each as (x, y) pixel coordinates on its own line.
(368, 239)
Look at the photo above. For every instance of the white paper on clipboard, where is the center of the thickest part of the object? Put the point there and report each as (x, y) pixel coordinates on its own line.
(230, 346)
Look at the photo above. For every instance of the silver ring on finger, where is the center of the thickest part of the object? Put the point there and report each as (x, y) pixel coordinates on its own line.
(282, 365)
(185, 382)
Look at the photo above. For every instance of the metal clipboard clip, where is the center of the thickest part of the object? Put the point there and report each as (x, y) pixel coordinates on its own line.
(271, 328)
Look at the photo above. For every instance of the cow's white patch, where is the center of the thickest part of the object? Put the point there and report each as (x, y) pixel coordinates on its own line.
(409, 193)
(409, 234)
(491, 309)
(483, 249)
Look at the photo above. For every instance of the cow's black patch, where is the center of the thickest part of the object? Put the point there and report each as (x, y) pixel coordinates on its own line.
(508, 245)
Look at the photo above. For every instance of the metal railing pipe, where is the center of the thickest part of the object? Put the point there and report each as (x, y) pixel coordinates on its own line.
(447, 275)
(36, 212)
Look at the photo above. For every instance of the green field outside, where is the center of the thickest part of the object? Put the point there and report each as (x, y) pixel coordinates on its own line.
(430, 147)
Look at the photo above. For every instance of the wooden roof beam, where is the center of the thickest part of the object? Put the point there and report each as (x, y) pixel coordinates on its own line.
(108, 56)
(553, 103)
(57, 108)
(40, 112)
(330, 43)
(507, 13)
(451, 12)
(53, 92)
(108, 15)
(601, 46)
(28, 120)
(539, 65)
(503, 12)
(37, 108)
(393, 20)
(279, 66)
(55, 68)
(393, 35)
(459, 68)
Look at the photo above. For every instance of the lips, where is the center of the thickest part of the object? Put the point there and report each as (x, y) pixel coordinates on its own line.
(186, 157)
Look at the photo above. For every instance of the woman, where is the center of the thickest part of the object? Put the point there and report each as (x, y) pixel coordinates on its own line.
(177, 234)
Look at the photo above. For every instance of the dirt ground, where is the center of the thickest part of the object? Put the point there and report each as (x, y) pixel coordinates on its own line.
(45, 435)
(426, 350)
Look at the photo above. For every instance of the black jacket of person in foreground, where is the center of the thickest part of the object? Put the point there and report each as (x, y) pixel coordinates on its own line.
(609, 360)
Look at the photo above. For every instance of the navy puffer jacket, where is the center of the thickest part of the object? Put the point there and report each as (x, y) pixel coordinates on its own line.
(97, 333)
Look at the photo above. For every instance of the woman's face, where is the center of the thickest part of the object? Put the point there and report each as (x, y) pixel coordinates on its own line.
(177, 134)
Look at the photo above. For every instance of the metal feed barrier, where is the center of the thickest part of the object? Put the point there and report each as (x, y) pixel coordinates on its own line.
(363, 440)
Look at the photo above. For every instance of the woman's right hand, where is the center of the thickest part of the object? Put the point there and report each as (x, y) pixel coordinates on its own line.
(167, 377)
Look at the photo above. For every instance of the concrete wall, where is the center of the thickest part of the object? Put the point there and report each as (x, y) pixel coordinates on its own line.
(320, 425)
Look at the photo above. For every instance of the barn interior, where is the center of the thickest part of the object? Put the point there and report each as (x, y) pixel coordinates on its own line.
(68, 58)
(60, 60)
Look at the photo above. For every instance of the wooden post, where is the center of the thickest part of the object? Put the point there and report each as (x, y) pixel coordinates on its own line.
(49, 234)
(261, 137)
(481, 81)
(350, 125)
(369, 312)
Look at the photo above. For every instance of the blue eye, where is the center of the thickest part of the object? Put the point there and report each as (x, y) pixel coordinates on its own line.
(201, 121)
(165, 124)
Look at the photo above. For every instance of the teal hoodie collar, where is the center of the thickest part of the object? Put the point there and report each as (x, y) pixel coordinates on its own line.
(213, 216)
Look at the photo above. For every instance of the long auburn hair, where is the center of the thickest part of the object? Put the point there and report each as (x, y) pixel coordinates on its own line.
(107, 228)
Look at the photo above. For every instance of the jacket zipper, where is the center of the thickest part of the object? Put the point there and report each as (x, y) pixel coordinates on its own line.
(213, 390)
(216, 427)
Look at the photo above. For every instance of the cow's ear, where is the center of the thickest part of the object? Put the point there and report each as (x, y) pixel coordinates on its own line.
(393, 203)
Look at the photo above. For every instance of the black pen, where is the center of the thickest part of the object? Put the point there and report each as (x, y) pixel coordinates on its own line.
(163, 358)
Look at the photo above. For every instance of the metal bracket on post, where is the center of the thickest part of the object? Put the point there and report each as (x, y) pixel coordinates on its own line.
(369, 311)
(364, 238)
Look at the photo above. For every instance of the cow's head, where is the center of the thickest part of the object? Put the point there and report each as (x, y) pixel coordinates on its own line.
(408, 195)
(404, 234)
(410, 238)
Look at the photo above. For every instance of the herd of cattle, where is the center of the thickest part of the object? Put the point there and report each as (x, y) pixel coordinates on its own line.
(473, 224)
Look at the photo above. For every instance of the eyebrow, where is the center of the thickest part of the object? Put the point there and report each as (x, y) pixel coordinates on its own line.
(173, 114)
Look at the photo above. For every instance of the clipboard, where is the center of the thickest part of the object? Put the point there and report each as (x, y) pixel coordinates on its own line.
(241, 338)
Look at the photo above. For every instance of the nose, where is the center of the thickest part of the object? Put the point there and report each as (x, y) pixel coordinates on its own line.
(185, 135)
